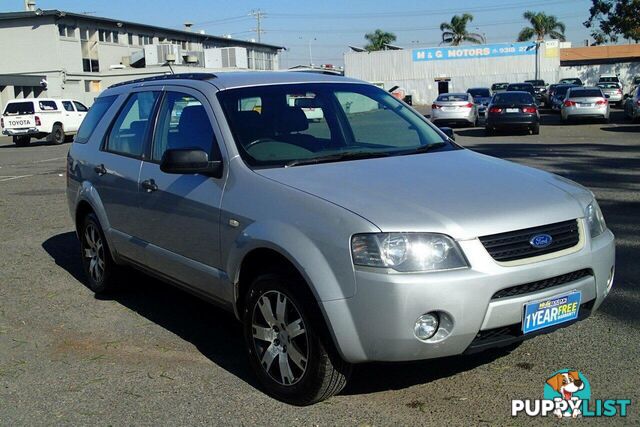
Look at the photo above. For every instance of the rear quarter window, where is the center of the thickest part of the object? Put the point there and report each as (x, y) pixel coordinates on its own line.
(93, 117)
(18, 108)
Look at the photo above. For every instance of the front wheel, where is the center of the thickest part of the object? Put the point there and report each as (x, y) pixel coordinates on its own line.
(289, 349)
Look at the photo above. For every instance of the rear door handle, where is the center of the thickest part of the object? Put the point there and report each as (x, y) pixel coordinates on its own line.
(149, 185)
(100, 170)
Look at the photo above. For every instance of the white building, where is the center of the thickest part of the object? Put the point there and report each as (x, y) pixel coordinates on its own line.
(52, 53)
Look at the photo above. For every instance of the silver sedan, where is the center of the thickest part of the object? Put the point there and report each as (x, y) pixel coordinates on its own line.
(454, 108)
(585, 102)
(632, 105)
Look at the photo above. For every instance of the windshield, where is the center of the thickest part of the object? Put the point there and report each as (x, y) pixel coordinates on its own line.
(524, 87)
(453, 97)
(608, 80)
(562, 90)
(608, 85)
(571, 81)
(480, 92)
(15, 108)
(535, 82)
(513, 98)
(499, 86)
(280, 125)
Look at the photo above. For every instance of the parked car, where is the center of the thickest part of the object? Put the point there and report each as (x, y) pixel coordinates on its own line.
(610, 78)
(55, 119)
(481, 97)
(612, 92)
(523, 87)
(632, 105)
(585, 102)
(458, 108)
(380, 240)
(548, 97)
(560, 92)
(499, 87)
(540, 89)
(513, 110)
(571, 81)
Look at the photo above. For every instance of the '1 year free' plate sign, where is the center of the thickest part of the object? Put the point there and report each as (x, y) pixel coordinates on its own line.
(549, 312)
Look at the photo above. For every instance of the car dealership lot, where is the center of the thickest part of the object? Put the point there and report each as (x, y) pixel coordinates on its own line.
(154, 355)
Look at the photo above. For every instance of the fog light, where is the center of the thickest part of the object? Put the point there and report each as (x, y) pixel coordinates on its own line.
(610, 281)
(426, 326)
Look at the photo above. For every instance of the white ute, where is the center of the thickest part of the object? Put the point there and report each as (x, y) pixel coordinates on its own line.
(55, 119)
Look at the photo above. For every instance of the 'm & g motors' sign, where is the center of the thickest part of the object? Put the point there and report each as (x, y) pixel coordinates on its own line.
(467, 52)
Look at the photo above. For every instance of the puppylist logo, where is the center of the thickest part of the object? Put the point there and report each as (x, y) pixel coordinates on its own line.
(567, 393)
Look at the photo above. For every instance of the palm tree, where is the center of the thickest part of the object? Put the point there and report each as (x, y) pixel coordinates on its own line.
(378, 40)
(541, 26)
(455, 32)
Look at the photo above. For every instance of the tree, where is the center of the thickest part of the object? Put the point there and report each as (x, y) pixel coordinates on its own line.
(455, 32)
(378, 40)
(610, 19)
(542, 25)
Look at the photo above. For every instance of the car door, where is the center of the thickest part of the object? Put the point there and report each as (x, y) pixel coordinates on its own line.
(71, 122)
(182, 211)
(116, 168)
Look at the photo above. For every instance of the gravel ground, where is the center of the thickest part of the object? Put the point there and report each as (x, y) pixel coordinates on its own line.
(153, 355)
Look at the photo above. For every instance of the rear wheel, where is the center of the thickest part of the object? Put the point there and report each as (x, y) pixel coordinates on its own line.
(57, 134)
(535, 130)
(21, 141)
(489, 131)
(99, 268)
(289, 350)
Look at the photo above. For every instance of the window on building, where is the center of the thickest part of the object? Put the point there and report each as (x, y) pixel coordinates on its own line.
(107, 36)
(84, 34)
(92, 86)
(67, 31)
(144, 40)
(128, 133)
(130, 39)
(90, 65)
(115, 37)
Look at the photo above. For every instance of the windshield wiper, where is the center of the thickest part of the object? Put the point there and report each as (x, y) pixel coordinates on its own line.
(348, 155)
(424, 148)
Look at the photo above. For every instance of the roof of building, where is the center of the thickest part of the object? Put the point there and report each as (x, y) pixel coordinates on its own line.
(595, 54)
(7, 16)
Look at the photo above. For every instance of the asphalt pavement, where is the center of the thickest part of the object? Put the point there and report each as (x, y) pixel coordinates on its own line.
(154, 355)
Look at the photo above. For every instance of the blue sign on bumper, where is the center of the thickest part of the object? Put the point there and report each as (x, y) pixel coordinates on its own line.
(549, 312)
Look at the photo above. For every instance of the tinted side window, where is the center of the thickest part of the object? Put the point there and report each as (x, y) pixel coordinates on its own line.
(128, 132)
(183, 123)
(79, 106)
(91, 120)
(47, 105)
(68, 106)
(14, 108)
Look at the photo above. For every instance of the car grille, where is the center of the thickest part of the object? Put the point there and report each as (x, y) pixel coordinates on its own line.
(514, 245)
(539, 285)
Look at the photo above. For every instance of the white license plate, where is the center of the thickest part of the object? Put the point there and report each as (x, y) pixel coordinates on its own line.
(450, 108)
(18, 122)
(585, 105)
(512, 110)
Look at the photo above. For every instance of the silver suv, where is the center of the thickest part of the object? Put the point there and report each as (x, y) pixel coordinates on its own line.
(359, 234)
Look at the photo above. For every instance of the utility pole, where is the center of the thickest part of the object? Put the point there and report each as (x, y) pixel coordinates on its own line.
(258, 14)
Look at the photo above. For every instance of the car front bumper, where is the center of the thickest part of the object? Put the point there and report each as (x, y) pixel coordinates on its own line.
(377, 324)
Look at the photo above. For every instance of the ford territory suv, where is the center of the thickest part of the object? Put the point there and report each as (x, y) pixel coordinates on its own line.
(365, 234)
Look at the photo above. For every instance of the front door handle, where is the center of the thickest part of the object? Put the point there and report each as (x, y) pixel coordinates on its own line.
(149, 185)
(100, 169)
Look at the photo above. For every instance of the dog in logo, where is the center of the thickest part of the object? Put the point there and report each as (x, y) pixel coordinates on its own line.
(566, 384)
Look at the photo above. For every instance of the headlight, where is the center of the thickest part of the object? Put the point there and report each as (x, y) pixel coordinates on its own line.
(595, 220)
(407, 251)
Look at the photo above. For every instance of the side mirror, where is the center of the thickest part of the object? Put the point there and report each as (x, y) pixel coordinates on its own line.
(449, 132)
(190, 161)
(607, 96)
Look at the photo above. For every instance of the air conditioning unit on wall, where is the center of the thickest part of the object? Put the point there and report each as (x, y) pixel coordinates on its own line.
(158, 54)
(226, 57)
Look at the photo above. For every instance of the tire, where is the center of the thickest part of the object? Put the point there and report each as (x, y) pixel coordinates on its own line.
(606, 120)
(57, 134)
(21, 141)
(99, 268)
(316, 372)
(535, 130)
(489, 131)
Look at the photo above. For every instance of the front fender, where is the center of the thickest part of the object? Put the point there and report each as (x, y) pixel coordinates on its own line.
(327, 281)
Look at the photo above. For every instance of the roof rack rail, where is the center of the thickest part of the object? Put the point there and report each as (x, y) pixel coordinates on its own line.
(190, 76)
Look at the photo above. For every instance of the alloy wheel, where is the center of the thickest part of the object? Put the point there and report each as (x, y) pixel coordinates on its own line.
(94, 252)
(280, 338)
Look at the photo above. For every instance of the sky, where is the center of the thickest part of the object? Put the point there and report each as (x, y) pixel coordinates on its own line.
(320, 31)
